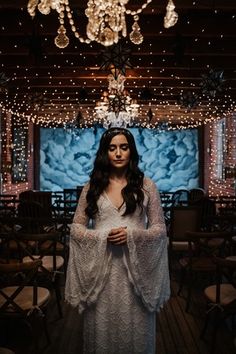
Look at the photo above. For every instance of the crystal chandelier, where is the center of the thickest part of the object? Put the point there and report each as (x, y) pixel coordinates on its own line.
(116, 108)
(106, 20)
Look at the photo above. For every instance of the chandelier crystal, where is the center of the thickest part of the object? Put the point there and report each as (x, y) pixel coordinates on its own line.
(116, 108)
(106, 20)
(171, 16)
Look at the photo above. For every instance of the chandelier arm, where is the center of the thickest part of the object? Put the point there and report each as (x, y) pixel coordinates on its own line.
(133, 13)
(72, 24)
(106, 20)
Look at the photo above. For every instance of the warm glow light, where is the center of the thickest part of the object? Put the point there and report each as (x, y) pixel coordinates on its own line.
(222, 135)
(116, 108)
(106, 20)
(68, 112)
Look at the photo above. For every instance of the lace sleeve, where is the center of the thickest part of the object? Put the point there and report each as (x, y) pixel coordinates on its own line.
(147, 254)
(89, 260)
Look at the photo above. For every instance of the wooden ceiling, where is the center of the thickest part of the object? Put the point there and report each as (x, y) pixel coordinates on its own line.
(166, 71)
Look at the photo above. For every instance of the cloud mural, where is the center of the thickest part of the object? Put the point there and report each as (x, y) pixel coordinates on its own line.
(170, 158)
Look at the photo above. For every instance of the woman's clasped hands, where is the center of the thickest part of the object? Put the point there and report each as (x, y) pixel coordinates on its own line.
(118, 236)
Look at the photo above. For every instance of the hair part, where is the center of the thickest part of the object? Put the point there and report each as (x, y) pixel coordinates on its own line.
(132, 193)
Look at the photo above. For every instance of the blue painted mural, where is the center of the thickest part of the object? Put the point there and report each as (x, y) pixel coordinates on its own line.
(170, 158)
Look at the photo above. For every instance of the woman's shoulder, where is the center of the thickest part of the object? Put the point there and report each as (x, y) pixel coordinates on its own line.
(148, 184)
(86, 187)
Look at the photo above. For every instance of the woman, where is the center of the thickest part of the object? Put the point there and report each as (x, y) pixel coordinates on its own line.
(117, 272)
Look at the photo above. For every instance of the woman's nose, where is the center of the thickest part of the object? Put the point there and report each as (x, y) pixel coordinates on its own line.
(118, 152)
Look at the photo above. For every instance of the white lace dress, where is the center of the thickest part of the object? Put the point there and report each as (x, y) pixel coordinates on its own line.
(119, 288)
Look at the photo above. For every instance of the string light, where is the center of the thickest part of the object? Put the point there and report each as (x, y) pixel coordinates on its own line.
(68, 112)
(7, 147)
(222, 135)
(58, 114)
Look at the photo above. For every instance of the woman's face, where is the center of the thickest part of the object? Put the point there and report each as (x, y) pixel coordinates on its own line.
(119, 152)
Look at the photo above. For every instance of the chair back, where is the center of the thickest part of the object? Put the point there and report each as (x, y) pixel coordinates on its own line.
(30, 209)
(208, 244)
(43, 247)
(37, 246)
(208, 213)
(15, 277)
(180, 197)
(40, 197)
(71, 194)
(183, 219)
(32, 217)
(196, 194)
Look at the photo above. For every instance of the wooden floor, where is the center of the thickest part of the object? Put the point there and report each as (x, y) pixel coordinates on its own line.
(177, 331)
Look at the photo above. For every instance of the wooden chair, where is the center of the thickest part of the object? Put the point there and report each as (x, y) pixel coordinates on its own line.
(202, 249)
(43, 246)
(24, 246)
(9, 246)
(221, 297)
(32, 219)
(22, 298)
(182, 219)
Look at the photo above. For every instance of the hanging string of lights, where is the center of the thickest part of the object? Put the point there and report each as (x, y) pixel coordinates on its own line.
(61, 112)
(68, 113)
(222, 159)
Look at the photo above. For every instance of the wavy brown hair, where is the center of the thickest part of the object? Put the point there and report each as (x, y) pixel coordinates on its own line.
(132, 193)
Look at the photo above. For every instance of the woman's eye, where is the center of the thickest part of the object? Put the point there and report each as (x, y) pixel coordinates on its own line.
(113, 148)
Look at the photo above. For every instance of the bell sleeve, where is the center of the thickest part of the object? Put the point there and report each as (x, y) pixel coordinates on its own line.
(89, 260)
(147, 260)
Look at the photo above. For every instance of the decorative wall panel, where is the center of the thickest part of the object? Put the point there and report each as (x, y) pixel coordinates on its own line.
(170, 158)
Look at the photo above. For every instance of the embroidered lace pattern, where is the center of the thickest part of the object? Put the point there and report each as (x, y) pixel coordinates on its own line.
(119, 288)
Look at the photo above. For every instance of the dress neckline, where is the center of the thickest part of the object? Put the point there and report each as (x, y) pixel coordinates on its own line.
(112, 204)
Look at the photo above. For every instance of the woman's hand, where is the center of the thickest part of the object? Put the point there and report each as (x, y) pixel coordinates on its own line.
(118, 236)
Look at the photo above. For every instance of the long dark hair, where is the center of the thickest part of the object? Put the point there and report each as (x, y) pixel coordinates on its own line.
(132, 193)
